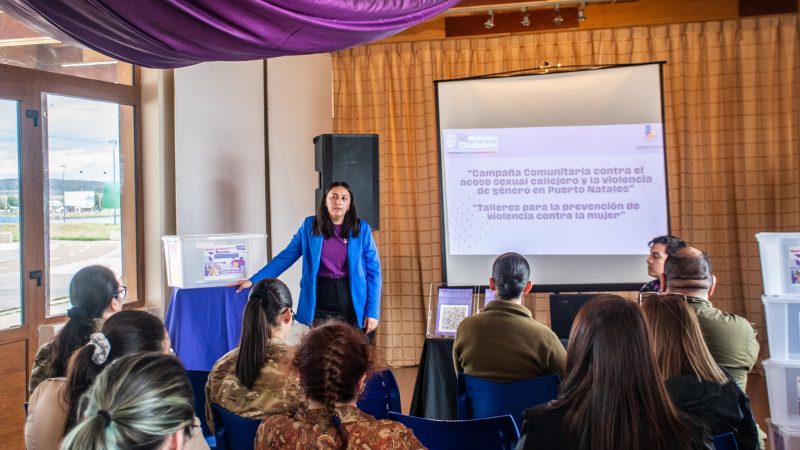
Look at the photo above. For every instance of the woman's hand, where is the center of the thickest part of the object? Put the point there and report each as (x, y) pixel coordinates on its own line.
(370, 325)
(242, 285)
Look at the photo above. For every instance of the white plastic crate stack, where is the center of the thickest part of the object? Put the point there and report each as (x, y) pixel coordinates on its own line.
(780, 269)
(208, 260)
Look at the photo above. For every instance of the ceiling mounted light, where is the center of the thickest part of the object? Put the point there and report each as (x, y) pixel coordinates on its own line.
(581, 14)
(526, 18)
(489, 24)
(557, 20)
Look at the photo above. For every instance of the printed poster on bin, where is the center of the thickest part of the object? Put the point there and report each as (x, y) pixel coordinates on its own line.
(791, 268)
(454, 305)
(225, 262)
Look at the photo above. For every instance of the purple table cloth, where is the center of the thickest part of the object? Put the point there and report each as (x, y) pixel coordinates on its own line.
(204, 324)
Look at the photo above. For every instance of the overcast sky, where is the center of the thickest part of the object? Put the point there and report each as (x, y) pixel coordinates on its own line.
(79, 134)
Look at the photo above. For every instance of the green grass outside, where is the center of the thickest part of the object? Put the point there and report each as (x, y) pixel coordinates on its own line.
(70, 231)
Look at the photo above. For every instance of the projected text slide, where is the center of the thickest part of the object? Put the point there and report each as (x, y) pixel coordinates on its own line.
(572, 190)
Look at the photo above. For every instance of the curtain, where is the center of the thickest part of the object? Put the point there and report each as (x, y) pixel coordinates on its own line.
(176, 33)
(731, 112)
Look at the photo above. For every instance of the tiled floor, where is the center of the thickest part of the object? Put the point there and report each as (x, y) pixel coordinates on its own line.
(756, 389)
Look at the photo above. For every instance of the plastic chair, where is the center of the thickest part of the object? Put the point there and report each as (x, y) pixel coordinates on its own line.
(479, 398)
(233, 432)
(198, 379)
(725, 441)
(491, 433)
(380, 395)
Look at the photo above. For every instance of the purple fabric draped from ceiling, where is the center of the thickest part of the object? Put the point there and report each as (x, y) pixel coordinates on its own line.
(177, 33)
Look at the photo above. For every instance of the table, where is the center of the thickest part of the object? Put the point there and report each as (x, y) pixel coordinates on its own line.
(204, 324)
(434, 394)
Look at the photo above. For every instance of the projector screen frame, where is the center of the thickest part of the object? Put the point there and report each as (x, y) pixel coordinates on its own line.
(545, 70)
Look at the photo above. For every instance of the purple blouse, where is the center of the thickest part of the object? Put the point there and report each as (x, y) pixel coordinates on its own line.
(333, 262)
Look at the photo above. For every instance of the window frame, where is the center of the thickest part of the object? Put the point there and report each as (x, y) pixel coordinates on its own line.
(34, 307)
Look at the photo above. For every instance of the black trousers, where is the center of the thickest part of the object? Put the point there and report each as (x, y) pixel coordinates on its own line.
(334, 301)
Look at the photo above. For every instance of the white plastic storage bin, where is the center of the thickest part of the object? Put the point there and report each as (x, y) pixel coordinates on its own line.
(207, 260)
(783, 326)
(780, 262)
(782, 438)
(783, 388)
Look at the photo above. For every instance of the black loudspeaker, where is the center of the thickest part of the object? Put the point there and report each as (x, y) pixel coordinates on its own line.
(352, 158)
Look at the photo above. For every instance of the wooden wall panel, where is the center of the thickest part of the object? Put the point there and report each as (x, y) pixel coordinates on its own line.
(621, 14)
(12, 394)
(762, 7)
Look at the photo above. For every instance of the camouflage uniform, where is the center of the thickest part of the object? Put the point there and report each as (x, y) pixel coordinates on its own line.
(41, 362)
(276, 391)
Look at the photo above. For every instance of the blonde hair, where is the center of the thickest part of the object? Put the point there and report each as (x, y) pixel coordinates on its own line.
(137, 402)
(678, 341)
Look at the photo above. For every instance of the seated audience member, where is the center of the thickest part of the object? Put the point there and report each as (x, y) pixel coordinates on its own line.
(333, 360)
(730, 338)
(504, 342)
(695, 383)
(256, 379)
(95, 294)
(143, 401)
(660, 248)
(53, 406)
(612, 396)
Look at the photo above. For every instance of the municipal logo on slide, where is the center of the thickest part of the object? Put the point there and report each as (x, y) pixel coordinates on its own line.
(650, 133)
(450, 141)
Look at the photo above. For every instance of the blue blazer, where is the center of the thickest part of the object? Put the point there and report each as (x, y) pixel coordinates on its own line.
(364, 269)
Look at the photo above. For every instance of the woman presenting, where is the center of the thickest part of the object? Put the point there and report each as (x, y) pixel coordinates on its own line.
(341, 270)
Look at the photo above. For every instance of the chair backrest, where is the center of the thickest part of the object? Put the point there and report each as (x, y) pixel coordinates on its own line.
(479, 398)
(233, 432)
(380, 395)
(198, 379)
(725, 441)
(491, 433)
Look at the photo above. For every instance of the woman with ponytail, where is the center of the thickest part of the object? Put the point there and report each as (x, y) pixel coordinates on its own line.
(142, 401)
(95, 294)
(333, 361)
(53, 406)
(255, 379)
(504, 342)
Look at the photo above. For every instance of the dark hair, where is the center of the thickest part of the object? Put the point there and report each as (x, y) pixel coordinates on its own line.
(268, 299)
(331, 360)
(613, 392)
(678, 341)
(137, 403)
(672, 243)
(127, 332)
(90, 292)
(510, 273)
(688, 268)
(324, 225)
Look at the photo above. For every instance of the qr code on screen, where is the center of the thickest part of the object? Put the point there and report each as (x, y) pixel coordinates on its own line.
(450, 316)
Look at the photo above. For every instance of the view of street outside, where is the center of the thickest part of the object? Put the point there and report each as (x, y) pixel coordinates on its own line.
(83, 211)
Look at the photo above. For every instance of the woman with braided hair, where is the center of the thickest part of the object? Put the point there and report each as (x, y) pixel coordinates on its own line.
(255, 379)
(95, 294)
(333, 361)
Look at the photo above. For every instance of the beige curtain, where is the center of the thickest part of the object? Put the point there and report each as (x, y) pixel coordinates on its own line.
(731, 104)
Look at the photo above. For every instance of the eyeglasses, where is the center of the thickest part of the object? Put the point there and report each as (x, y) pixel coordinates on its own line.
(121, 292)
(644, 296)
